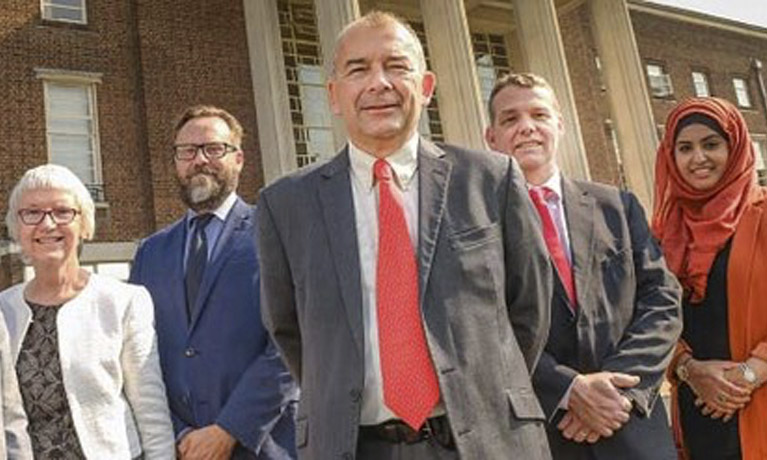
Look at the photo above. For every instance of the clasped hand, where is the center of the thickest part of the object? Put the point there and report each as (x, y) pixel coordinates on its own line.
(596, 407)
(719, 387)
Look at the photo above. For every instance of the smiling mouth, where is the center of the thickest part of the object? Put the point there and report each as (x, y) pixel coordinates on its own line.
(49, 239)
(528, 145)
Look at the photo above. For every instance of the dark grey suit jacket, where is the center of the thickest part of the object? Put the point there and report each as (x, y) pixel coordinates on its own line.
(628, 320)
(485, 285)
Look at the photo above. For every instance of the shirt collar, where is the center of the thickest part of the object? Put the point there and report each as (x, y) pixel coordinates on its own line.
(221, 212)
(404, 163)
(554, 183)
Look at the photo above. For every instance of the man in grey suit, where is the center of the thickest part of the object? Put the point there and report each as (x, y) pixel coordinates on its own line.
(615, 315)
(405, 284)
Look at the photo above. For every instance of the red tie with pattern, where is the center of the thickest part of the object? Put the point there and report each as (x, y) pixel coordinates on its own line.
(540, 195)
(410, 384)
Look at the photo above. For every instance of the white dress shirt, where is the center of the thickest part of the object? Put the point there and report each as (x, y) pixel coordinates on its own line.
(404, 164)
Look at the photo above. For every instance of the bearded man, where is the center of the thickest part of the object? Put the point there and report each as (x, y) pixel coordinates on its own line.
(230, 395)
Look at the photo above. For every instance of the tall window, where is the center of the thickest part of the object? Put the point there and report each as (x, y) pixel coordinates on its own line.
(430, 124)
(700, 84)
(64, 10)
(659, 80)
(72, 128)
(759, 142)
(741, 92)
(492, 61)
(309, 107)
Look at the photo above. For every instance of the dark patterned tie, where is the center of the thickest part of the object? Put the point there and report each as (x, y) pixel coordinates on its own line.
(410, 385)
(196, 261)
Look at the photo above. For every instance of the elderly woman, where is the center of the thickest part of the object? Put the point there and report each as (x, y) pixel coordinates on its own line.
(84, 345)
(14, 443)
(711, 219)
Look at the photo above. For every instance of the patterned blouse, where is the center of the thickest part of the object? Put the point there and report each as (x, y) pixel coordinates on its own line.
(42, 389)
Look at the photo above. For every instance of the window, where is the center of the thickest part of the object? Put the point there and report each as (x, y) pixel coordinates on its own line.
(492, 61)
(741, 92)
(72, 125)
(64, 10)
(309, 107)
(759, 142)
(700, 84)
(659, 80)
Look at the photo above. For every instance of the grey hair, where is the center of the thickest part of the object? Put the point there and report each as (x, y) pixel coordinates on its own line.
(376, 19)
(50, 176)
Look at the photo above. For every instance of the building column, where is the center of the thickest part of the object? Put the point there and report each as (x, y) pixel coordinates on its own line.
(332, 17)
(270, 88)
(544, 54)
(452, 59)
(627, 93)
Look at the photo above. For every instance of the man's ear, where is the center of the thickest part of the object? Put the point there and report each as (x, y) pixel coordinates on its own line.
(428, 85)
(332, 97)
(490, 137)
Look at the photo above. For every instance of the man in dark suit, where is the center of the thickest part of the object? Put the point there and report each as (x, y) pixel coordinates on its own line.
(615, 311)
(405, 284)
(230, 395)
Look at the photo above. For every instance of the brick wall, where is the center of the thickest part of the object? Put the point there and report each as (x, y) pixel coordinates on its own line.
(722, 54)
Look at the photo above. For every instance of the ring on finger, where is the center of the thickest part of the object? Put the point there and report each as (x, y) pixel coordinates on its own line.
(721, 398)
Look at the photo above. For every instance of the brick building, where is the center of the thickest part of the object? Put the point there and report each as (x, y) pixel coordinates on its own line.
(95, 85)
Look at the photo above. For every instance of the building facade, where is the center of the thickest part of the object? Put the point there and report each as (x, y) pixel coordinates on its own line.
(96, 84)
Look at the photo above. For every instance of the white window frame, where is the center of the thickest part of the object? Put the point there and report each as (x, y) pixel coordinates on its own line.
(759, 141)
(89, 80)
(44, 4)
(659, 81)
(700, 79)
(742, 94)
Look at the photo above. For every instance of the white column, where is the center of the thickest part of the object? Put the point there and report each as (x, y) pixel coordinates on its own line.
(544, 54)
(270, 88)
(452, 59)
(627, 93)
(332, 17)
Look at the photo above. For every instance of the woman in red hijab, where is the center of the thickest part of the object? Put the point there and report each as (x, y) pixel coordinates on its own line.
(710, 217)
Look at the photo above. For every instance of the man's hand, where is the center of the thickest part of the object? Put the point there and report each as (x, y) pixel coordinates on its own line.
(574, 429)
(208, 443)
(717, 396)
(597, 403)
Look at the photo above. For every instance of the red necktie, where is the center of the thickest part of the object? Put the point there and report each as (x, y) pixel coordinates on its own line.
(540, 195)
(410, 384)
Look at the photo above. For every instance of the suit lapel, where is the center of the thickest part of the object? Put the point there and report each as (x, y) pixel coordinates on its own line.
(228, 242)
(434, 176)
(579, 213)
(337, 203)
(176, 283)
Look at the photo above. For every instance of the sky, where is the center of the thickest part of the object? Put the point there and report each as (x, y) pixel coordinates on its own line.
(747, 11)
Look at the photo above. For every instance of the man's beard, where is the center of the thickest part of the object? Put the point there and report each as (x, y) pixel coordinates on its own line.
(205, 189)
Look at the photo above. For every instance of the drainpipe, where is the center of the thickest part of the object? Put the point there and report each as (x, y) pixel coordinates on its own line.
(757, 66)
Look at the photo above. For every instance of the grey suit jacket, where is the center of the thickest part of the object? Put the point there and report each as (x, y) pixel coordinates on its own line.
(484, 280)
(628, 320)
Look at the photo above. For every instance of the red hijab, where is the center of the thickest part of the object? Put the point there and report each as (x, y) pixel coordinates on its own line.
(694, 225)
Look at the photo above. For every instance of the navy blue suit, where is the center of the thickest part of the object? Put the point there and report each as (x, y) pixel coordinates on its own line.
(221, 367)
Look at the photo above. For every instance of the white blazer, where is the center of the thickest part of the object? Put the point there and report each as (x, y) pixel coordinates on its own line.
(110, 367)
(14, 441)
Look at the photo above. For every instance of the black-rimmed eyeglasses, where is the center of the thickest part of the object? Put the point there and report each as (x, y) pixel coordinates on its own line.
(60, 216)
(187, 152)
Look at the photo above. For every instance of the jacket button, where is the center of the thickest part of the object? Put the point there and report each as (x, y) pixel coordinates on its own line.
(356, 395)
(189, 352)
(347, 456)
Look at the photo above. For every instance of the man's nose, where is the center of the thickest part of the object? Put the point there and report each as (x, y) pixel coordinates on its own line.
(525, 125)
(379, 80)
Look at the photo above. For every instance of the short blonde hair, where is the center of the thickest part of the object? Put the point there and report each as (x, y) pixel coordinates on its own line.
(57, 177)
(519, 80)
